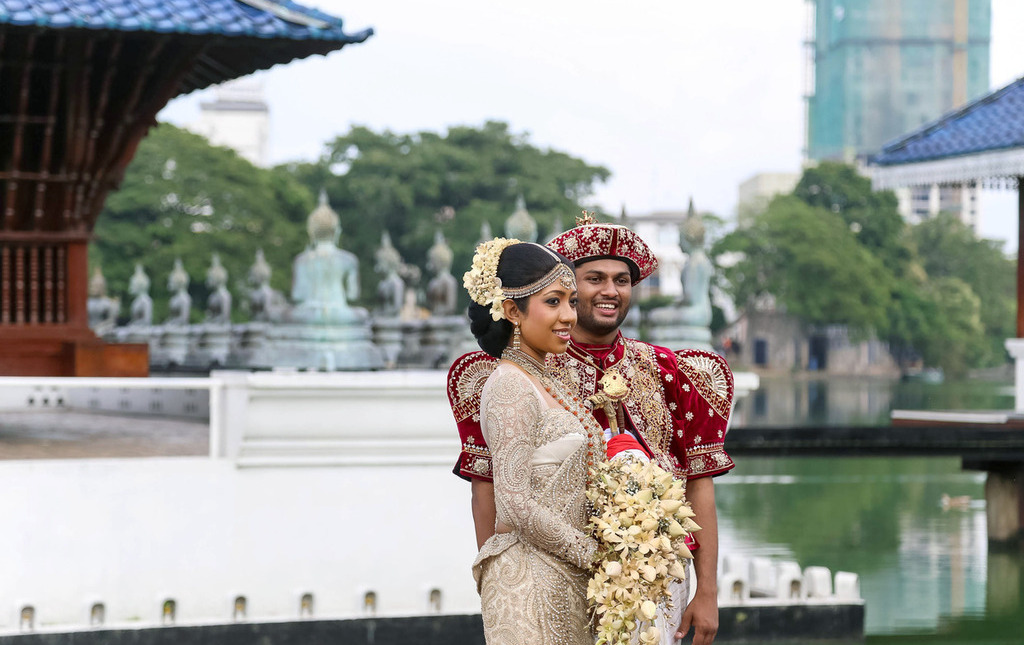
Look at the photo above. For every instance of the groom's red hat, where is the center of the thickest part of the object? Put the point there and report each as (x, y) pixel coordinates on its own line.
(590, 240)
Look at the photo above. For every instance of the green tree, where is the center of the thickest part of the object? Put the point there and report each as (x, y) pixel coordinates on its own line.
(182, 197)
(948, 248)
(810, 261)
(414, 184)
(872, 216)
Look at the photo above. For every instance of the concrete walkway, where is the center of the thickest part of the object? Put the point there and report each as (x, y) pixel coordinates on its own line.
(73, 434)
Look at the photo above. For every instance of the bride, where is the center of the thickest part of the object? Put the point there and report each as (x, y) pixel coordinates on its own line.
(532, 573)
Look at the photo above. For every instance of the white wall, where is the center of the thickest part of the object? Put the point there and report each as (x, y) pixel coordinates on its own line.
(131, 533)
(331, 484)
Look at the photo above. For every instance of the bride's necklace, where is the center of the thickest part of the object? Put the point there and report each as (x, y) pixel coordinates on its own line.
(569, 402)
(528, 363)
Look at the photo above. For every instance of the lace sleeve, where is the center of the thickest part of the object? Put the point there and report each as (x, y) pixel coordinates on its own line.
(511, 411)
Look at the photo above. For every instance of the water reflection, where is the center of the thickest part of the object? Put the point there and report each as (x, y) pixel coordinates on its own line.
(787, 402)
(926, 572)
(922, 568)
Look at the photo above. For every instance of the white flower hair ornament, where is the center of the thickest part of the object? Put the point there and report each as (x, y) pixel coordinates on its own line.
(482, 281)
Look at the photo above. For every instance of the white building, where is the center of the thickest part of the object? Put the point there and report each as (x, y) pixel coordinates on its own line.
(660, 230)
(925, 202)
(237, 118)
(756, 192)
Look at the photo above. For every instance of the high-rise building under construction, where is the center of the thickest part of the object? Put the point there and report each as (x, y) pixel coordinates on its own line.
(878, 69)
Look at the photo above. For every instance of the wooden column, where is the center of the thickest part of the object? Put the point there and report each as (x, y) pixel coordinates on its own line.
(77, 290)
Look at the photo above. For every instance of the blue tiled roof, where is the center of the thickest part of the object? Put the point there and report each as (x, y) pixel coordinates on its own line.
(278, 19)
(993, 122)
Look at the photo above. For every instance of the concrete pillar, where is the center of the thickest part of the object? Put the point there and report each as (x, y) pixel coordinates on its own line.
(1004, 582)
(229, 412)
(1016, 348)
(1004, 504)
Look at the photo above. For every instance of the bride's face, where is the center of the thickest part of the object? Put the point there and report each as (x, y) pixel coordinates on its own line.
(550, 315)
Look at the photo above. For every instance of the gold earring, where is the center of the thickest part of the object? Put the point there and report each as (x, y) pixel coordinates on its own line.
(516, 337)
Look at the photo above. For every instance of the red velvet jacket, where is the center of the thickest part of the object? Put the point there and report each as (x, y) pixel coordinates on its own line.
(678, 402)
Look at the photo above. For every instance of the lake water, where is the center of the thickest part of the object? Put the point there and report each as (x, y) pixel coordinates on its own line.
(926, 573)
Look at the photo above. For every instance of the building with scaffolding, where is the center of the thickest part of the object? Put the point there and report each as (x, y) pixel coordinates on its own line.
(877, 69)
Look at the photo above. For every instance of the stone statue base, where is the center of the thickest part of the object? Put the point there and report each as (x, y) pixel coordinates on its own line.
(211, 344)
(387, 335)
(147, 334)
(441, 339)
(327, 313)
(321, 347)
(674, 327)
(249, 344)
(463, 341)
(411, 354)
(171, 347)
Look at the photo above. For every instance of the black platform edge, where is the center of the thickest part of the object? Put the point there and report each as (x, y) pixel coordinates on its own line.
(737, 624)
(973, 442)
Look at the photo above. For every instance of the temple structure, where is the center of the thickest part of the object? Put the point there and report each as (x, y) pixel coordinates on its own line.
(981, 143)
(82, 84)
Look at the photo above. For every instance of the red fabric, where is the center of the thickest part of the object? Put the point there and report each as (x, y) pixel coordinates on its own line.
(466, 379)
(588, 241)
(695, 390)
(624, 441)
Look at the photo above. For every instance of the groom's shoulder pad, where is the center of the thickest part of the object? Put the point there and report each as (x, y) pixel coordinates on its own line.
(466, 379)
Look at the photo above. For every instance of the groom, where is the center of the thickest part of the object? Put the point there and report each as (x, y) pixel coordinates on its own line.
(677, 405)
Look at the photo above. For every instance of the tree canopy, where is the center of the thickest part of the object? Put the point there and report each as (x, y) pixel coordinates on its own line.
(948, 250)
(807, 258)
(412, 185)
(834, 252)
(872, 216)
(182, 197)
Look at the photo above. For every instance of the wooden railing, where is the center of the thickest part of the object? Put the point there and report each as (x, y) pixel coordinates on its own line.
(33, 279)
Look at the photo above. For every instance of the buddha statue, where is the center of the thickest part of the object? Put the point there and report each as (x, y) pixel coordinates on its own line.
(180, 305)
(521, 225)
(101, 308)
(142, 304)
(218, 304)
(697, 272)
(391, 288)
(266, 304)
(687, 322)
(485, 232)
(442, 290)
(325, 277)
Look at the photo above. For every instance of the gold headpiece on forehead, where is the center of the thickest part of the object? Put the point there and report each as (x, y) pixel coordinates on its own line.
(484, 285)
(560, 272)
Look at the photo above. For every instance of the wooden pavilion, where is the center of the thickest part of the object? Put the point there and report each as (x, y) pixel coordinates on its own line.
(80, 85)
(980, 144)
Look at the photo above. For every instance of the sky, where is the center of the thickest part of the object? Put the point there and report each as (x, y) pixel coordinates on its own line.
(678, 98)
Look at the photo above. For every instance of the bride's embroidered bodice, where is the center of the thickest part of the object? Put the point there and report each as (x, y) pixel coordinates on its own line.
(540, 467)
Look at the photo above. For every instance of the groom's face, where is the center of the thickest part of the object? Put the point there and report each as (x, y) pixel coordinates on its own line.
(605, 287)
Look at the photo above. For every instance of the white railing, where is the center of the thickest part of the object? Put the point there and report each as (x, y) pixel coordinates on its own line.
(21, 392)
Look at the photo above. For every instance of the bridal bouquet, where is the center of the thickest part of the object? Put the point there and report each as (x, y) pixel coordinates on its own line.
(640, 521)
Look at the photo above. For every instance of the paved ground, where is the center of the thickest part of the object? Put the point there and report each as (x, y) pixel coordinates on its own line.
(68, 434)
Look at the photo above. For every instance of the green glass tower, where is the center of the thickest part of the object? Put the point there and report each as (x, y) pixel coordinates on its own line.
(881, 68)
